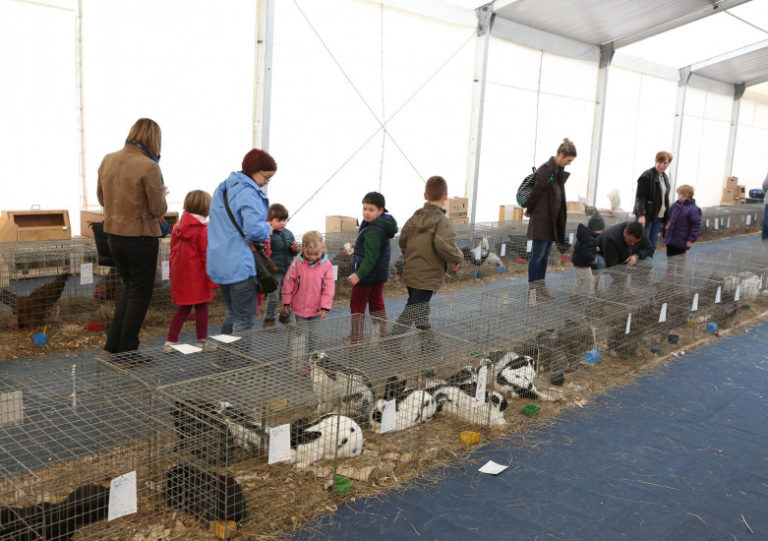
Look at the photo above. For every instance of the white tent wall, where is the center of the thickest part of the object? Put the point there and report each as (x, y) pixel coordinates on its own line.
(39, 147)
(704, 144)
(639, 122)
(533, 100)
(188, 67)
(342, 67)
(750, 162)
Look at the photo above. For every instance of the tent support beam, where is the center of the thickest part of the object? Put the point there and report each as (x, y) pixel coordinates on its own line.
(738, 92)
(484, 23)
(80, 112)
(677, 131)
(606, 56)
(262, 77)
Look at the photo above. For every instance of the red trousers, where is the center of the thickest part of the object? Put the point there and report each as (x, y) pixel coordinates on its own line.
(372, 297)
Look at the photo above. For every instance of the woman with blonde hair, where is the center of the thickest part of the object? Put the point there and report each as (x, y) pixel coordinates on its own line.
(130, 188)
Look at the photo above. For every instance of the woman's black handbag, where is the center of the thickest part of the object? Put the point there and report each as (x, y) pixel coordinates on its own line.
(102, 245)
(265, 267)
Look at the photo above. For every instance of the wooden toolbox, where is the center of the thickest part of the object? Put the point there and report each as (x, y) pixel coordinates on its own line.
(27, 225)
(88, 216)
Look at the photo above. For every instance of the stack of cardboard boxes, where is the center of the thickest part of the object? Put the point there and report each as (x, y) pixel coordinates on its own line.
(508, 213)
(340, 224)
(733, 193)
(456, 209)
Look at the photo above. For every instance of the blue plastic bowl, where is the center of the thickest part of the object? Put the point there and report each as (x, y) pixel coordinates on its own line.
(40, 339)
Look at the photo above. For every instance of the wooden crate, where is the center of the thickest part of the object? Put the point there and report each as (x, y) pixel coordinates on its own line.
(89, 216)
(30, 225)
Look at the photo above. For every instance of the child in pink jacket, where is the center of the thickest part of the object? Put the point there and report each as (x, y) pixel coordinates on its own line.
(308, 286)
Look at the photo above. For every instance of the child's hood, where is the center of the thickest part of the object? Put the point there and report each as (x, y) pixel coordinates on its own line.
(583, 233)
(427, 217)
(388, 222)
(320, 261)
(188, 227)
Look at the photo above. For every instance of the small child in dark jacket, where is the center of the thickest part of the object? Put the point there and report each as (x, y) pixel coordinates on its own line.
(684, 222)
(585, 252)
(371, 266)
(284, 249)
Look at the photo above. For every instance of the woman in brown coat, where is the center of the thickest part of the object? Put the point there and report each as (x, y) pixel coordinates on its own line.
(547, 211)
(131, 190)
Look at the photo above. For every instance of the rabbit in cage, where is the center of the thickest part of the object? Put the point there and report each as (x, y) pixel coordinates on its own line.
(329, 436)
(513, 375)
(459, 401)
(412, 407)
(332, 382)
(204, 495)
(244, 429)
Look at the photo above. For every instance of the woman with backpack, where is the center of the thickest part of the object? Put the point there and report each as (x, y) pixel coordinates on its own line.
(547, 211)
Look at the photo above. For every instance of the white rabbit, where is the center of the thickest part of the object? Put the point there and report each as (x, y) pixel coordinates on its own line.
(329, 436)
(334, 383)
(412, 407)
(459, 401)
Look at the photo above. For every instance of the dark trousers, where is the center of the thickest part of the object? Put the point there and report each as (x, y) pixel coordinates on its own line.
(182, 312)
(136, 261)
(416, 311)
(672, 251)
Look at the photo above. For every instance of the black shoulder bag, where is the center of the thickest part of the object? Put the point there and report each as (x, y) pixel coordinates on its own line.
(264, 266)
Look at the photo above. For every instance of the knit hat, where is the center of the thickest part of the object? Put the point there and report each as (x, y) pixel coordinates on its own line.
(375, 198)
(258, 160)
(596, 222)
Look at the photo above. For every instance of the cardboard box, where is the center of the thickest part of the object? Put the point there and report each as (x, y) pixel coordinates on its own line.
(28, 225)
(728, 195)
(339, 224)
(508, 213)
(89, 216)
(456, 206)
(459, 220)
(741, 191)
(576, 208)
(731, 183)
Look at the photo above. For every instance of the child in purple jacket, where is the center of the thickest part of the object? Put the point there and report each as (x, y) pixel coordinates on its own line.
(684, 222)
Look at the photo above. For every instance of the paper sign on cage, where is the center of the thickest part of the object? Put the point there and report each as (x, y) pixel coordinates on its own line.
(529, 246)
(663, 313)
(503, 250)
(570, 239)
(335, 272)
(629, 323)
(279, 444)
(749, 219)
(388, 417)
(226, 338)
(717, 295)
(738, 292)
(86, 273)
(482, 377)
(165, 270)
(695, 303)
(122, 496)
(11, 408)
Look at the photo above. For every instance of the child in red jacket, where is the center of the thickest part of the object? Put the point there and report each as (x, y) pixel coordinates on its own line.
(190, 285)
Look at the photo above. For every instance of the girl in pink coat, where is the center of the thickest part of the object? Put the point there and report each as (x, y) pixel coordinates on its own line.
(190, 285)
(308, 286)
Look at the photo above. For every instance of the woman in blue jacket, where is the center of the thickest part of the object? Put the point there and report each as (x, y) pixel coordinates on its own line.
(229, 258)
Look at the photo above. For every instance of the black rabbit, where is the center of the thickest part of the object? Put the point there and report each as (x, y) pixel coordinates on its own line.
(204, 495)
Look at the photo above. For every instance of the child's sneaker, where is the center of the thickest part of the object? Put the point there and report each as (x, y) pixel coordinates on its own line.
(206, 345)
(168, 347)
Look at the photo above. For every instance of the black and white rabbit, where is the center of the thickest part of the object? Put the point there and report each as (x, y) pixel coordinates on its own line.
(331, 435)
(244, 429)
(334, 383)
(204, 495)
(512, 374)
(412, 407)
(459, 401)
(55, 521)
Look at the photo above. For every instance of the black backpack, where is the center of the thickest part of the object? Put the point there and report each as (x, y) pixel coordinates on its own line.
(525, 189)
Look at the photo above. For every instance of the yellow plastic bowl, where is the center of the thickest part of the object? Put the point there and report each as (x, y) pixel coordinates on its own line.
(470, 437)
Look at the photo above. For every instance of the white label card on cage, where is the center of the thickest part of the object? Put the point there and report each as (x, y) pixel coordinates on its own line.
(629, 323)
(570, 239)
(529, 246)
(729, 221)
(736, 295)
(663, 313)
(715, 223)
(717, 295)
(226, 338)
(695, 303)
(388, 416)
(279, 444)
(482, 377)
(11, 408)
(503, 250)
(749, 219)
(86, 273)
(122, 496)
(186, 349)
(165, 270)
(492, 468)
(707, 222)
(335, 272)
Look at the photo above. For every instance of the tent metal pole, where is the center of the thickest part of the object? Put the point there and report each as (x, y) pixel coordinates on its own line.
(606, 56)
(677, 132)
(484, 23)
(738, 92)
(80, 100)
(262, 78)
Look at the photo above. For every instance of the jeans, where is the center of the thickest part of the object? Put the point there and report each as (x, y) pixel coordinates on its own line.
(303, 341)
(273, 299)
(416, 311)
(765, 223)
(241, 299)
(537, 265)
(652, 232)
(599, 263)
(136, 261)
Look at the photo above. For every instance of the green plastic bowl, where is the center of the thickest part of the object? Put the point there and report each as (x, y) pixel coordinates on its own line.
(342, 485)
(531, 409)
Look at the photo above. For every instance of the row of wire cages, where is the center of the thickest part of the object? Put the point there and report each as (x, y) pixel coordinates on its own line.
(730, 220)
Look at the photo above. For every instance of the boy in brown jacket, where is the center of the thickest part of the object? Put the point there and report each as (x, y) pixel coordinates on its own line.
(428, 245)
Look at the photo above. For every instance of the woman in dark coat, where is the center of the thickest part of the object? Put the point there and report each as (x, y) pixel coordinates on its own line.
(547, 210)
(652, 197)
